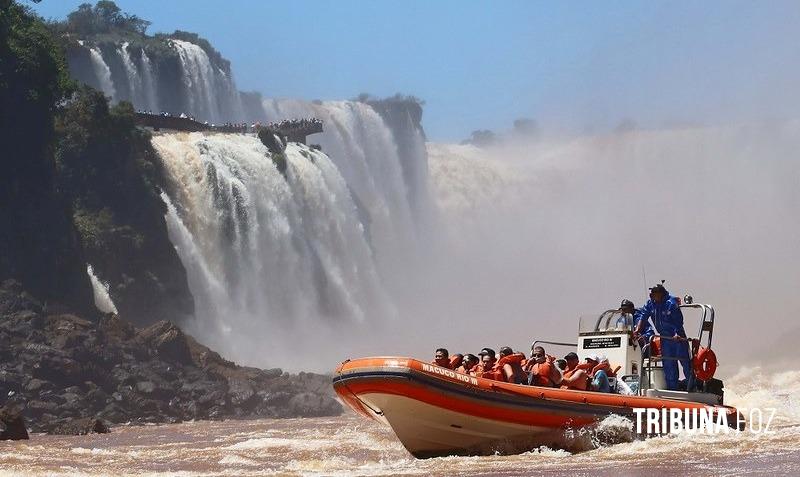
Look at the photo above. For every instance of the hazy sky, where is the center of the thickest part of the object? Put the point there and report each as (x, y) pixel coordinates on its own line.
(576, 65)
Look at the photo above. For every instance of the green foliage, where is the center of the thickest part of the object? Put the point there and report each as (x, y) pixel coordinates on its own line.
(214, 55)
(104, 17)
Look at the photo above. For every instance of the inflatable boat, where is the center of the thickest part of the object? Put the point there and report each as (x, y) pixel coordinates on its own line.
(436, 411)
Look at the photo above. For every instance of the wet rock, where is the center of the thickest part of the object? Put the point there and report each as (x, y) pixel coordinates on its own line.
(167, 340)
(313, 405)
(81, 427)
(240, 392)
(12, 425)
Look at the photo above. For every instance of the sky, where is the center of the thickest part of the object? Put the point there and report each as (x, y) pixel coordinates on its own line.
(575, 66)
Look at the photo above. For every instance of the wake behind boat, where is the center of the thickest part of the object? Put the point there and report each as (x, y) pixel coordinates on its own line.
(437, 411)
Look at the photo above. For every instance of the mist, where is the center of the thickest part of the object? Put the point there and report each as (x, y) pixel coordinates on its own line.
(541, 232)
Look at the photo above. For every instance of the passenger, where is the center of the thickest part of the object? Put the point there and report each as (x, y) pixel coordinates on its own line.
(456, 360)
(469, 362)
(486, 365)
(442, 358)
(510, 364)
(668, 320)
(600, 374)
(488, 369)
(541, 370)
(575, 377)
(562, 365)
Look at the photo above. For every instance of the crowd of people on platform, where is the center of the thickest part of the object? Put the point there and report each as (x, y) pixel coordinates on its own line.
(659, 317)
(243, 127)
(300, 123)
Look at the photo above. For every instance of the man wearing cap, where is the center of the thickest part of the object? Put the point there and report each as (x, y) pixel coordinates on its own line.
(485, 367)
(668, 320)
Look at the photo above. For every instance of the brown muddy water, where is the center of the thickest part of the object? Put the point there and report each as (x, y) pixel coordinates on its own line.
(350, 445)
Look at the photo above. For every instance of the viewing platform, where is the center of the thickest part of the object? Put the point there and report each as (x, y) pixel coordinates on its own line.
(293, 130)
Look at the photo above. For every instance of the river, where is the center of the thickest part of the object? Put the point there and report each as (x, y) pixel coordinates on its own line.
(349, 445)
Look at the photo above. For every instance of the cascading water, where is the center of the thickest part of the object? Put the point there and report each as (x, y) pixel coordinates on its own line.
(102, 298)
(135, 83)
(364, 149)
(102, 72)
(149, 83)
(268, 257)
(211, 93)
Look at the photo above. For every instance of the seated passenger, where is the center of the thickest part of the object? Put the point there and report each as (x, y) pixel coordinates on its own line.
(486, 368)
(600, 375)
(469, 362)
(561, 364)
(442, 358)
(510, 364)
(456, 360)
(542, 371)
(575, 377)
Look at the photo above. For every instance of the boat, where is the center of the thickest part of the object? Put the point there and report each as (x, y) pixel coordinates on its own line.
(435, 411)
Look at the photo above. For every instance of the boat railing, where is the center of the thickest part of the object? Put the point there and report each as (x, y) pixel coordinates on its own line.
(555, 343)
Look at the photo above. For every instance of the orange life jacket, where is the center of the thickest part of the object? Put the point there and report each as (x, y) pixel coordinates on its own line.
(455, 361)
(605, 367)
(518, 375)
(540, 374)
(464, 369)
(444, 363)
(582, 384)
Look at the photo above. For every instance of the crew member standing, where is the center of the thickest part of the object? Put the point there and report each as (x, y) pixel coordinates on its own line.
(668, 320)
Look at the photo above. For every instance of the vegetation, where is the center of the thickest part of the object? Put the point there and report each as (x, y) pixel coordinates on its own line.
(38, 243)
(104, 17)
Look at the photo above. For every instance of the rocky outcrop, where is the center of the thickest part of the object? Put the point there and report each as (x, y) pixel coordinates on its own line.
(66, 372)
(81, 427)
(12, 425)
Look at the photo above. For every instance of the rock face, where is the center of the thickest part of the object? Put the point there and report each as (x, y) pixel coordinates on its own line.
(66, 373)
(12, 425)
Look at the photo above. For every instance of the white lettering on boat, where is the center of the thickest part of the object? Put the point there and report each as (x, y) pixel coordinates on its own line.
(429, 368)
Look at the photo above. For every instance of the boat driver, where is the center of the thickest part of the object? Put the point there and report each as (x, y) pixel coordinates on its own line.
(663, 308)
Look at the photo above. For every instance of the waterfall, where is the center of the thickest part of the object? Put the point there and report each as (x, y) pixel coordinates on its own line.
(102, 72)
(102, 298)
(268, 256)
(363, 148)
(132, 73)
(211, 92)
(149, 83)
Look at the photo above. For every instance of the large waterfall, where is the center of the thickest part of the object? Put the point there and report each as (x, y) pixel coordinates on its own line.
(187, 82)
(365, 150)
(211, 93)
(269, 257)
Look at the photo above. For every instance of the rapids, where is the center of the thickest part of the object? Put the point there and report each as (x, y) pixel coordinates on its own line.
(352, 446)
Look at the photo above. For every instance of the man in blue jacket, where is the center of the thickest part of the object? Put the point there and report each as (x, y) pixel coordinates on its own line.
(668, 320)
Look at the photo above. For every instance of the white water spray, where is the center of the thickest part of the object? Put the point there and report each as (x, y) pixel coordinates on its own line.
(272, 261)
(102, 72)
(100, 289)
(211, 93)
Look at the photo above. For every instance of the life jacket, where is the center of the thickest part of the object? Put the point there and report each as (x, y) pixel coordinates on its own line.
(444, 363)
(478, 370)
(540, 374)
(518, 374)
(455, 361)
(495, 374)
(605, 366)
(464, 369)
(583, 386)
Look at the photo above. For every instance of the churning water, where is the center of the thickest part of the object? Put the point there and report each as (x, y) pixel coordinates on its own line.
(352, 446)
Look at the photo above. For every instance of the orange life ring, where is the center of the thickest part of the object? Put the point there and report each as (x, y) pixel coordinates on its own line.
(704, 364)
